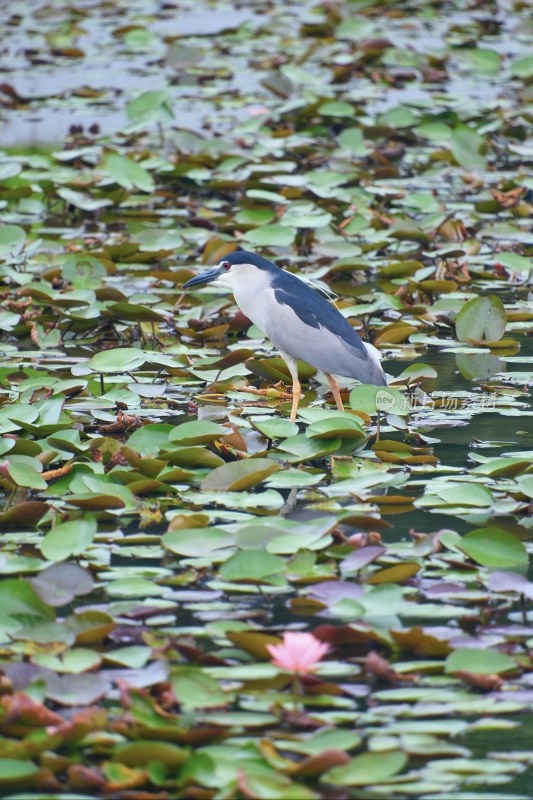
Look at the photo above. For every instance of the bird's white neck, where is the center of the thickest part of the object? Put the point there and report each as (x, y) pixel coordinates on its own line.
(251, 288)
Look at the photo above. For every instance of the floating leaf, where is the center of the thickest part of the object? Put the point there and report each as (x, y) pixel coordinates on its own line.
(25, 471)
(481, 319)
(482, 662)
(128, 173)
(276, 428)
(494, 548)
(140, 753)
(152, 106)
(11, 240)
(15, 771)
(120, 359)
(17, 597)
(253, 566)
(23, 514)
(155, 239)
(371, 399)
(132, 313)
(59, 584)
(523, 67)
(74, 661)
(69, 538)
(253, 642)
(483, 60)
(303, 448)
(337, 108)
(342, 426)
(199, 542)
(83, 201)
(194, 689)
(197, 432)
(239, 475)
(515, 262)
(367, 769)
(395, 574)
(466, 144)
(502, 467)
(77, 690)
(90, 626)
(134, 657)
(270, 235)
(351, 139)
(150, 439)
(466, 494)
(501, 581)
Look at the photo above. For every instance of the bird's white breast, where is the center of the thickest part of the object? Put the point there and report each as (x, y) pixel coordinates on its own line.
(253, 294)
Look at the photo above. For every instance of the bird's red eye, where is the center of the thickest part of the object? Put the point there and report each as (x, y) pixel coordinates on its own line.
(225, 265)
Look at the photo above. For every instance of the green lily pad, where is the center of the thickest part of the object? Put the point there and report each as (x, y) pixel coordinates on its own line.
(253, 566)
(481, 662)
(25, 471)
(466, 145)
(515, 262)
(121, 359)
(367, 769)
(495, 549)
(372, 399)
(199, 542)
(481, 319)
(17, 597)
(197, 432)
(69, 538)
(342, 426)
(141, 753)
(11, 240)
(14, 771)
(129, 173)
(239, 475)
(132, 313)
(271, 235)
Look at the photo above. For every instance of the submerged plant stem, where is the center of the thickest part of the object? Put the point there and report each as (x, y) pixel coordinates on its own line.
(297, 691)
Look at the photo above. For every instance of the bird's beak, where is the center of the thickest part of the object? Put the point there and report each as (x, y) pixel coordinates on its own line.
(204, 277)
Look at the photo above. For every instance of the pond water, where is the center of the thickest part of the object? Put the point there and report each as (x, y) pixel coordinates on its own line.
(54, 85)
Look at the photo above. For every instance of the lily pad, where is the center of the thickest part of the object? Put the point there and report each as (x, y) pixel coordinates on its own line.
(481, 662)
(495, 548)
(239, 475)
(481, 319)
(367, 769)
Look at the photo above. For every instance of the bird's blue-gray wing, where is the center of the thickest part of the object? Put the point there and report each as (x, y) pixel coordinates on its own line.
(307, 327)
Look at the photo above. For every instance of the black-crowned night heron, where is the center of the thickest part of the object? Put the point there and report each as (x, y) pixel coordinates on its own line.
(301, 323)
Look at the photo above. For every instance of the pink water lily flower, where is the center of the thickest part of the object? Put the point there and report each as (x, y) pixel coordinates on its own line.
(298, 653)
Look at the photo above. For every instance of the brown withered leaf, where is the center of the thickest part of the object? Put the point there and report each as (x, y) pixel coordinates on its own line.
(320, 762)
(124, 778)
(81, 777)
(23, 514)
(123, 423)
(509, 199)
(83, 723)
(23, 715)
(381, 669)
(298, 720)
(422, 642)
(486, 683)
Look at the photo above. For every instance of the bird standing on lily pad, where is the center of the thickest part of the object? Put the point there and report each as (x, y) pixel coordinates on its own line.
(301, 323)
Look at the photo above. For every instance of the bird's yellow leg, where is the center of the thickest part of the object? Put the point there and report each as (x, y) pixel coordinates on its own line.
(296, 388)
(334, 386)
(296, 395)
